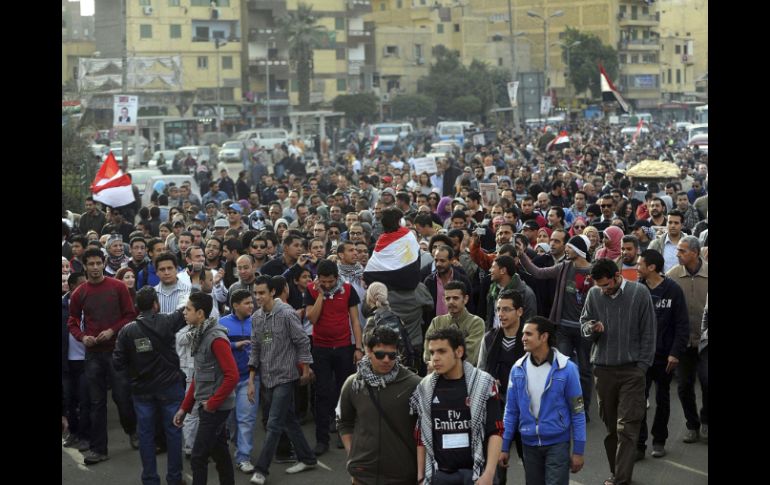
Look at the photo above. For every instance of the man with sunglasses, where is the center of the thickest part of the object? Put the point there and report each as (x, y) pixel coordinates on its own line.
(607, 206)
(374, 409)
(258, 249)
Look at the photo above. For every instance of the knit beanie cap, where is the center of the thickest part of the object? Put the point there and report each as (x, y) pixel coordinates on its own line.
(580, 245)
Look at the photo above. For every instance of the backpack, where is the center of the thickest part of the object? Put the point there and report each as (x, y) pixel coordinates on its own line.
(405, 348)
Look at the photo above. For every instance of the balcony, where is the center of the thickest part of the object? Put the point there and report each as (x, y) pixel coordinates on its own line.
(278, 67)
(359, 6)
(639, 45)
(360, 36)
(276, 98)
(262, 34)
(638, 20)
(688, 59)
(276, 6)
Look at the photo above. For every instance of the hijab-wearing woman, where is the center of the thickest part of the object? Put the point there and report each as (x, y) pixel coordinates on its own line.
(613, 237)
(592, 233)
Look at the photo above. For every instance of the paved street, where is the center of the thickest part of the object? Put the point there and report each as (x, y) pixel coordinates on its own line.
(683, 465)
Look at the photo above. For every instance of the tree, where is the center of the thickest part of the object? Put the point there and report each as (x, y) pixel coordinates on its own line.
(448, 81)
(77, 168)
(466, 106)
(412, 106)
(357, 107)
(301, 32)
(585, 60)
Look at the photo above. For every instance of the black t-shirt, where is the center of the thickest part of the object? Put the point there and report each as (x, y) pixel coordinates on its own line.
(451, 416)
(575, 291)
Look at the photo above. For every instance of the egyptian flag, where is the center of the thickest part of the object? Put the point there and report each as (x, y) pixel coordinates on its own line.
(395, 261)
(561, 141)
(111, 186)
(375, 143)
(638, 131)
(609, 91)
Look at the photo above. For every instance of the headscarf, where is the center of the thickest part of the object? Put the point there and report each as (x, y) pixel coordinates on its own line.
(441, 209)
(377, 296)
(586, 232)
(572, 227)
(613, 236)
(547, 230)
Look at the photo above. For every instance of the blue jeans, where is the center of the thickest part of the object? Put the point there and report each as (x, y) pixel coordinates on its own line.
(100, 373)
(211, 441)
(242, 420)
(547, 465)
(283, 418)
(75, 388)
(570, 339)
(166, 402)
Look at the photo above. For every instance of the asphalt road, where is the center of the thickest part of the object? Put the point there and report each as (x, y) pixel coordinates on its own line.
(685, 464)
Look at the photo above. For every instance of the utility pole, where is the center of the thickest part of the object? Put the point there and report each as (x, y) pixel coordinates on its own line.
(124, 81)
(514, 68)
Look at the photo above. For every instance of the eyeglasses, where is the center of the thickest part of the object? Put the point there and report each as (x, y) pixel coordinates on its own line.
(605, 205)
(380, 355)
(259, 246)
(351, 233)
(579, 227)
(334, 233)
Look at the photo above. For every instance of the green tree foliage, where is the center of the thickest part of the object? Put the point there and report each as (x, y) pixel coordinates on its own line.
(357, 107)
(585, 59)
(448, 81)
(302, 33)
(77, 168)
(412, 106)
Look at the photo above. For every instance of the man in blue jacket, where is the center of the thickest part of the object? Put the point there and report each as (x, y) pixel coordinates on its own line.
(244, 416)
(545, 404)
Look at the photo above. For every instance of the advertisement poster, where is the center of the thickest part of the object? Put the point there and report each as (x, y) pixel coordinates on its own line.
(124, 110)
(489, 196)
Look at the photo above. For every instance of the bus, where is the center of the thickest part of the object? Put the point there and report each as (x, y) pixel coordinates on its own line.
(453, 130)
(179, 132)
(702, 114)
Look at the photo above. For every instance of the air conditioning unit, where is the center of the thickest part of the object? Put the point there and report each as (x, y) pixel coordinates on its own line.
(147, 10)
(420, 61)
(214, 13)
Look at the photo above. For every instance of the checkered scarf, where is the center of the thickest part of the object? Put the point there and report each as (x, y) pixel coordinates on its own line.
(366, 375)
(481, 386)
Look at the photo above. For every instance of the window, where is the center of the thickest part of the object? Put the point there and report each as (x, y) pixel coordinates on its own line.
(294, 85)
(203, 62)
(457, 27)
(400, 4)
(144, 3)
(440, 28)
(669, 76)
(173, 3)
(201, 34)
(227, 62)
(418, 51)
(342, 85)
(340, 54)
(339, 23)
(678, 76)
(145, 31)
(391, 50)
(634, 59)
(382, 7)
(176, 31)
(423, 2)
(207, 3)
(499, 61)
(677, 49)
(623, 59)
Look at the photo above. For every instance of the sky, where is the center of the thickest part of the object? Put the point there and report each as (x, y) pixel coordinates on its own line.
(86, 7)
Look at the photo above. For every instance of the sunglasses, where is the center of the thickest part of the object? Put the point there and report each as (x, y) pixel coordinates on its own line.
(259, 246)
(380, 355)
(605, 205)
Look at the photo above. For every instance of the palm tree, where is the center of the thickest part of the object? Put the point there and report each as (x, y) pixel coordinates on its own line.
(301, 32)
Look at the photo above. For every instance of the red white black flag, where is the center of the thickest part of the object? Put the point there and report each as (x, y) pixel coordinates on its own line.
(609, 91)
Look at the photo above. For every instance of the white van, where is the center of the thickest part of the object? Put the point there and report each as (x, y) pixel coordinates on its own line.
(697, 129)
(453, 130)
(406, 130)
(267, 138)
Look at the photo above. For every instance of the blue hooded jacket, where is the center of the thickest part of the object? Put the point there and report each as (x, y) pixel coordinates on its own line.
(561, 416)
(238, 330)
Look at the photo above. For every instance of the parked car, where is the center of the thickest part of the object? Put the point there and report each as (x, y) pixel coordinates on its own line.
(140, 176)
(231, 151)
(176, 178)
(266, 138)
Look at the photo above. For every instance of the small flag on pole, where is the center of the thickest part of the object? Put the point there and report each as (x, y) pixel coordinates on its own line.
(609, 91)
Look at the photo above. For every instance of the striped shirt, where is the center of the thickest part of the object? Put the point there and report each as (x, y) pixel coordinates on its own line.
(173, 296)
(278, 344)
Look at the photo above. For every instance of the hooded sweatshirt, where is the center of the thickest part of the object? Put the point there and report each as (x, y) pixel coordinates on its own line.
(238, 330)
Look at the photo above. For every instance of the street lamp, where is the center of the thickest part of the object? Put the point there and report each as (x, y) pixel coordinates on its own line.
(546, 22)
(568, 68)
(219, 43)
(270, 41)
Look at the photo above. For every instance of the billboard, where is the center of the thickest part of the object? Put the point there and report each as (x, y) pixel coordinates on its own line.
(124, 109)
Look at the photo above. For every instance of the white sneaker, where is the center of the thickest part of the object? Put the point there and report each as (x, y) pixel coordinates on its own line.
(258, 478)
(299, 467)
(245, 467)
